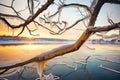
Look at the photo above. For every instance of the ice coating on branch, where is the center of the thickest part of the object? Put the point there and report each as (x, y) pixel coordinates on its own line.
(10, 72)
(94, 3)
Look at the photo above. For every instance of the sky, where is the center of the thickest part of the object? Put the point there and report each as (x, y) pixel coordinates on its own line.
(68, 14)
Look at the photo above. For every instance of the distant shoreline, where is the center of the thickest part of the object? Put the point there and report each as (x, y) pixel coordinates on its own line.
(101, 41)
(11, 40)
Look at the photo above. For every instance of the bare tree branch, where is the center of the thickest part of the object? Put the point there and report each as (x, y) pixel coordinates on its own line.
(30, 19)
(30, 31)
(31, 6)
(78, 22)
(23, 28)
(5, 5)
(114, 1)
(44, 7)
(65, 49)
(2, 72)
(70, 5)
(104, 28)
(12, 16)
(4, 20)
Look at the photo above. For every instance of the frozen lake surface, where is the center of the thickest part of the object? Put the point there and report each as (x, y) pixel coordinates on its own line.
(84, 64)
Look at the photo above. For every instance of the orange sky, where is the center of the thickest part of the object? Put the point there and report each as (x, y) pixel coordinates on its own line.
(70, 34)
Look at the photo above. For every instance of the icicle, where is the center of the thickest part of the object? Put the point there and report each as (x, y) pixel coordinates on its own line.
(31, 6)
(40, 68)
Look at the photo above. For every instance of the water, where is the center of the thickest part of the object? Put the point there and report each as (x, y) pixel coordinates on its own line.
(71, 66)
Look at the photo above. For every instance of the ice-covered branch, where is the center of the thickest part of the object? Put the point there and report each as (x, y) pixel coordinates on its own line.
(114, 1)
(65, 49)
(29, 20)
(105, 28)
(70, 5)
(68, 48)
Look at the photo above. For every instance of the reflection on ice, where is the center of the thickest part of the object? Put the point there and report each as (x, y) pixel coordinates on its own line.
(110, 69)
(111, 58)
(68, 65)
(84, 61)
(77, 63)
